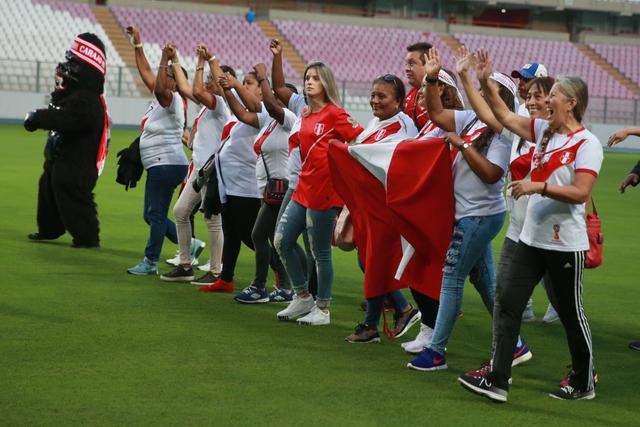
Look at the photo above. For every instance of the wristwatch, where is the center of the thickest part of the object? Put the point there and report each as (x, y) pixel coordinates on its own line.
(465, 146)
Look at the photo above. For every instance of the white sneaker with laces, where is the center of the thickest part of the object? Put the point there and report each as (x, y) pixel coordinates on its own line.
(551, 315)
(206, 267)
(175, 261)
(423, 339)
(296, 308)
(316, 317)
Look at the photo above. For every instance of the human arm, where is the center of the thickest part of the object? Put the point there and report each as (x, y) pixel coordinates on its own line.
(443, 118)
(245, 116)
(162, 91)
(199, 89)
(478, 104)
(181, 81)
(270, 102)
(517, 124)
(632, 179)
(277, 75)
(621, 135)
(487, 171)
(576, 193)
(141, 60)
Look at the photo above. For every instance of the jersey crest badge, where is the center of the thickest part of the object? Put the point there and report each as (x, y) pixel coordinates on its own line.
(318, 129)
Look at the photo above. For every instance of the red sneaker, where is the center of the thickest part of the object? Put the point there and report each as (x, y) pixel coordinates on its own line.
(218, 286)
(565, 380)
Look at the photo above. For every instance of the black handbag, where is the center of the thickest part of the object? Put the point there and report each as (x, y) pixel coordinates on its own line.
(276, 188)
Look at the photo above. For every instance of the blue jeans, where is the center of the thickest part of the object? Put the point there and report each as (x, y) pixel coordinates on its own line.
(376, 305)
(161, 182)
(469, 254)
(319, 225)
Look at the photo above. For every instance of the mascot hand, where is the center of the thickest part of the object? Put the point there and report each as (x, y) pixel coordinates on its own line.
(29, 121)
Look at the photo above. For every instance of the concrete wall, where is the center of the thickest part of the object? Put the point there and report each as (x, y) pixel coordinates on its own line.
(587, 38)
(430, 25)
(128, 112)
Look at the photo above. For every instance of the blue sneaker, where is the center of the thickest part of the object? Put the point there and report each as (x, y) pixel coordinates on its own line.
(281, 295)
(197, 246)
(428, 360)
(144, 268)
(521, 354)
(252, 295)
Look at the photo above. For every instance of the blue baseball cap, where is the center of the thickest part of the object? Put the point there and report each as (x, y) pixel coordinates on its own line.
(530, 71)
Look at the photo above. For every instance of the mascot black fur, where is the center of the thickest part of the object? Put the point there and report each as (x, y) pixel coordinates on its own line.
(76, 146)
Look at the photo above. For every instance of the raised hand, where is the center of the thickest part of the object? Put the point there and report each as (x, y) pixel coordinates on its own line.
(275, 46)
(171, 52)
(432, 63)
(617, 137)
(227, 82)
(261, 71)
(134, 34)
(483, 66)
(464, 60)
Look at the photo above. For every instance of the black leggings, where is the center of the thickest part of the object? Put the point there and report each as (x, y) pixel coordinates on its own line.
(262, 236)
(527, 267)
(428, 308)
(238, 218)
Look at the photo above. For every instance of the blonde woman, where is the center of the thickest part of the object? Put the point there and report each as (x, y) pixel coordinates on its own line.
(315, 204)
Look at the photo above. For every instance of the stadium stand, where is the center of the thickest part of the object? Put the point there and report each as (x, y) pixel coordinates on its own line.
(624, 58)
(34, 36)
(237, 43)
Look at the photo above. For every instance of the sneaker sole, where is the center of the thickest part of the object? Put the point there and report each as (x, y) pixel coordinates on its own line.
(177, 279)
(278, 302)
(258, 301)
(435, 368)
(415, 319)
(218, 291)
(142, 274)
(372, 340)
(312, 323)
(291, 316)
(486, 393)
(521, 359)
(586, 397)
(548, 321)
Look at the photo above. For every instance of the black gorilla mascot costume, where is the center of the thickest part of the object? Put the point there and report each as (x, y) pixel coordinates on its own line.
(76, 146)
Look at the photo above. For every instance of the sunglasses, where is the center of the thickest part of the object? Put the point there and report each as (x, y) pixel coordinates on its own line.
(389, 78)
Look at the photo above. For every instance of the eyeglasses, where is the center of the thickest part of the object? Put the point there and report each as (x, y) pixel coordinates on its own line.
(389, 78)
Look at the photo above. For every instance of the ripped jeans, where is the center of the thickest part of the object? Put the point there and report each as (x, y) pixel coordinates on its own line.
(319, 226)
(469, 254)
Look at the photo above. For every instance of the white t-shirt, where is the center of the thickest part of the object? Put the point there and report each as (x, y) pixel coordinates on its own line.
(161, 139)
(237, 161)
(430, 130)
(296, 104)
(394, 129)
(473, 196)
(294, 165)
(273, 140)
(552, 224)
(207, 130)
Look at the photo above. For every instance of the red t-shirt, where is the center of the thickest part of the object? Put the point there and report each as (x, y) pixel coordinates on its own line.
(315, 189)
(412, 109)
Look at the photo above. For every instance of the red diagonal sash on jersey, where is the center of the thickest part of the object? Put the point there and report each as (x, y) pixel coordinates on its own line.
(103, 147)
(382, 133)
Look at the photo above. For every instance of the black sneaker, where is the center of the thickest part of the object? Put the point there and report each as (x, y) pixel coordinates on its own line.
(39, 237)
(482, 385)
(567, 392)
(634, 345)
(179, 274)
(208, 279)
(363, 334)
(404, 321)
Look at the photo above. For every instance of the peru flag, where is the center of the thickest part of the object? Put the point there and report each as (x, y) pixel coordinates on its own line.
(400, 196)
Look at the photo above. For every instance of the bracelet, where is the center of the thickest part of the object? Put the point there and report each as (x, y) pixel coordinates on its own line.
(199, 68)
(175, 63)
(544, 190)
(163, 66)
(137, 46)
(213, 58)
(431, 81)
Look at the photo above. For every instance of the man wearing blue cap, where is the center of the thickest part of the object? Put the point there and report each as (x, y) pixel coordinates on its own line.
(524, 75)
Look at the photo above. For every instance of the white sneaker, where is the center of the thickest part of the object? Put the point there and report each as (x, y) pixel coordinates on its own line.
(175, 261)
(316, 317)
(422, 340)
(205, 267)
(528, 315)
(551, 315)
(296, 308)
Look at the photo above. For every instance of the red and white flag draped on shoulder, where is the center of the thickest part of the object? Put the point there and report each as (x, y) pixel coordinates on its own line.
(400, 196)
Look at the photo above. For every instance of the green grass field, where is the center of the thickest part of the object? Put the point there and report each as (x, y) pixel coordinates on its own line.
(83, 343)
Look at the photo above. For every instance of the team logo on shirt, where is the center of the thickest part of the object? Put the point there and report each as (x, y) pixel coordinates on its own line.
(556, 231)
(567, 156)
(381, 134)
(319, 129)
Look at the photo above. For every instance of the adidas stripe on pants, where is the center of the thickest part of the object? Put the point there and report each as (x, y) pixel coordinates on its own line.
(527, 267)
